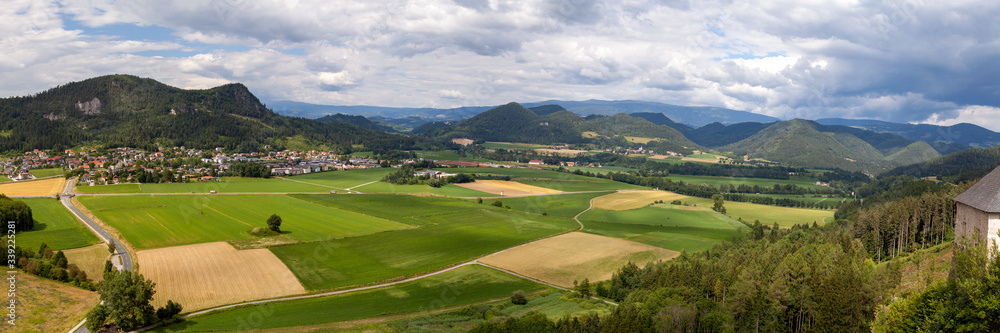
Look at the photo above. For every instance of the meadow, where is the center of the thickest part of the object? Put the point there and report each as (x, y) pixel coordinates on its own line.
(344, 179)
(90, 259)
(675, 238)
(49, 306)
(450, 190)
(226, 185)
(784, 216)
(662, 215)
(562, 181)
(42, 173)
(170, 220)
(441, 240)
(55, 226)
(562, 205)
(553, 304)
(456, 288)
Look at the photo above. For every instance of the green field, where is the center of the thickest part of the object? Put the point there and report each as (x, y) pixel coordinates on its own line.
(668, 237)
(562, 181)
(716, 181)
(169, 220)
(401, 208)
(226, 185)
(446, 155)
(42, 173)
(554, 304)
(442, 239)
(511, 145)
(784, 216)
(54, 226)
(344, 179)
(460, 287)
(449, 190)
(561, 205)
(663, 215)
(805, 198)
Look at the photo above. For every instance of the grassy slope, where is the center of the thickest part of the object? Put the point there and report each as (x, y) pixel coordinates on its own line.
(784, 216)
(662, 214)
(450, 190)
(663, 226)
(158, 221)
(442, 240)
(55, 226)
(562, 205)
(467, 285)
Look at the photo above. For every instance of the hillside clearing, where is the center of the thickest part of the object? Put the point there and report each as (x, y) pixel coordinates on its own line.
(574, 256)
(90, 260)
(508, 188)
(626, 200)
(205, 275)
(48, 186)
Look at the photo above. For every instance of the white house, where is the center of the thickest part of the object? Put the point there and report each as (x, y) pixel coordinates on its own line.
(977, 210)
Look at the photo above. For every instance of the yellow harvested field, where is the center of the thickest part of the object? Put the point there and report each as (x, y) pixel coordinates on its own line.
(574, 256)
(48, 306)
(509, 188)
(48, 186)
(201, 276)
(625, 200)
(589, 134)
(567, 152)
(90, 259)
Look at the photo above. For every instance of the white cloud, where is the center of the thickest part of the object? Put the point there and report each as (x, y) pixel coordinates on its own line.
(985, 116)
(899, 60)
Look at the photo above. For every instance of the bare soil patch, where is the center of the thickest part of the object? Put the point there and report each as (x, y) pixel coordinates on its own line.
(201, 276)
(574, 256)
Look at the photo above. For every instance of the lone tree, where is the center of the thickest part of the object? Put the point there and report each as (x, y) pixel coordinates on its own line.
(274, 223)
(718, 206)
(126, 297)
(518, 298)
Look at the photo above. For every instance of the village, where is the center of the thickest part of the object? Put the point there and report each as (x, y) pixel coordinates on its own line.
(120, 165)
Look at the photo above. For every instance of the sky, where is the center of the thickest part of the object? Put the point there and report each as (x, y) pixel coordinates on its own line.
(914, 61)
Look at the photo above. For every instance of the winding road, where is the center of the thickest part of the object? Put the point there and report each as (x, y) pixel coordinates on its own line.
(67, 195)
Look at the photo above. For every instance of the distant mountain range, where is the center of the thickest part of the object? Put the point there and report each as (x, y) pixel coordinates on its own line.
(125, 110)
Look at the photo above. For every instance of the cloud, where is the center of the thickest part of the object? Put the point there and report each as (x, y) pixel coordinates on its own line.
(905, 61)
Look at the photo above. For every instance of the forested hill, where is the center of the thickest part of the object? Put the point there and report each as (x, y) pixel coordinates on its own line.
(359, 121)
(125, 110)
(514, 123)
(808, 144)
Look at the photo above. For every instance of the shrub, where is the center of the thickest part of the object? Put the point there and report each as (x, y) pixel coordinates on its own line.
(518, 298)
(498, 203)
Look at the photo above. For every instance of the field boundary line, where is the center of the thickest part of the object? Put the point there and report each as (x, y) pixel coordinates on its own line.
(365, 184)
(305, 182)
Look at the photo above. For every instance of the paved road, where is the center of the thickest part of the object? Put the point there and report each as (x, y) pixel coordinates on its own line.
(126, 259)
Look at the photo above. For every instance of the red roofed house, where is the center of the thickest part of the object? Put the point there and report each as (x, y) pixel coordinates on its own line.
(536, 162)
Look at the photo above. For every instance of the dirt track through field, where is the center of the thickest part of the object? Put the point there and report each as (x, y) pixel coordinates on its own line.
(574, 256)
(509, 188)
(48, 186)
(205, 275)
(625, 200)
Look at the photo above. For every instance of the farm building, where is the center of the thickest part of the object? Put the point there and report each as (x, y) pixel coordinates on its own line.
(977, 210)
(536, 162)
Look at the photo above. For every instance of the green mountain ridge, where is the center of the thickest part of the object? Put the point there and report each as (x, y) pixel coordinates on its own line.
(125, 110)
(805, 143)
